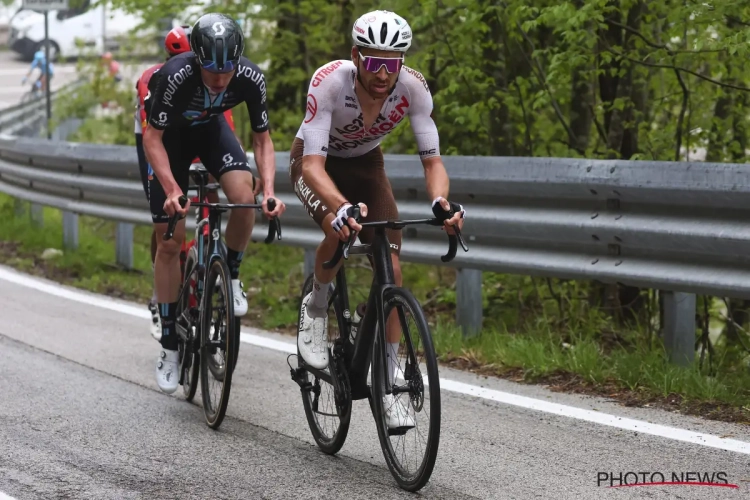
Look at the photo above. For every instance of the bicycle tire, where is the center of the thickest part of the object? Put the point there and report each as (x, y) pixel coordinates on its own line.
(237, 340)
(331, 445)
(217, 269)
(193, 371)
(399, 297)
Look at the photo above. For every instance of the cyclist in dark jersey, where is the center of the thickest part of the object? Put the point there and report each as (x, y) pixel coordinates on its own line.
(185, 105)
(176, 42)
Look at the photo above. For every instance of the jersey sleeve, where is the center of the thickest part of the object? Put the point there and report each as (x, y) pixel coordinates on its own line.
(167, 95)
(420, 115)
(255, 94)
(321, 98)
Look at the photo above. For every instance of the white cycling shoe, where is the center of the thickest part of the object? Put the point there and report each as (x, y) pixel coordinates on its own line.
(167, 371)
(396, 413)
(240, 297)
(312, 337)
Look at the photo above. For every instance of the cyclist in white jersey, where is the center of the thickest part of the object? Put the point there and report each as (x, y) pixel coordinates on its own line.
(336, 161)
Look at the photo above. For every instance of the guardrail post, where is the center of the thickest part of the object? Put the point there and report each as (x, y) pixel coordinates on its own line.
(20, 207)
(469, 301)
(37, 214)
(70, 230)
(124, 244)
(679, 327)
(309, 267)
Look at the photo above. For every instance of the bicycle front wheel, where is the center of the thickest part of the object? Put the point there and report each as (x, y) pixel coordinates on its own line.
(406, 392)
(218, 342)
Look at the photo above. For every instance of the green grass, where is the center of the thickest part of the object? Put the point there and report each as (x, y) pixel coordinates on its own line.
(639, 367)
(90, 267)
(536, 328)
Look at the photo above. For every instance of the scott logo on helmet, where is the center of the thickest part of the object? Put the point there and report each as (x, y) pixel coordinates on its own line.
(218, 28)
(175, 80)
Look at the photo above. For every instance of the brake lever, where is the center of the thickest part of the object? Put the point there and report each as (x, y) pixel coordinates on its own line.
(460, 239)
(274, 225)
(348, 244)
(172, 225)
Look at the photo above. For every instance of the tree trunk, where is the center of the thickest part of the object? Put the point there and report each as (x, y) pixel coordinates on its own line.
(500, 141)
(611, 36)
(625, 96)
(582, 99)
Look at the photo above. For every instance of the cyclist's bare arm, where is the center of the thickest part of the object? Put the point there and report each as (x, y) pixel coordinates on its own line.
(428, 143)
(435, 177)
(317, 179)
(265, 158)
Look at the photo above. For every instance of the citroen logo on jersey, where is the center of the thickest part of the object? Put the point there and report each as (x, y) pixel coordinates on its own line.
(218, 28)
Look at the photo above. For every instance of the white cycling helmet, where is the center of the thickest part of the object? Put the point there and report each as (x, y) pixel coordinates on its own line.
(382, 30)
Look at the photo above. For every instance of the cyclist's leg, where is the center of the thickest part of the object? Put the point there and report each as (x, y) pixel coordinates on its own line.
(366, 182)
(313, 323)
(223, 156)
(322, 215)
(144, 169)
(167, 263)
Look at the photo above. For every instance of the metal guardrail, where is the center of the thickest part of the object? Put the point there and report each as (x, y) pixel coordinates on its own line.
(28, 117)
(677, 227)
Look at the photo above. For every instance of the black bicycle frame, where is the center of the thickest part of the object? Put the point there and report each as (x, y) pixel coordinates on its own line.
(200, 176)
(357, 356)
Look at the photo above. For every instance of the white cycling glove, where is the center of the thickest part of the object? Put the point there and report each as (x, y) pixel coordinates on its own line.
(342, 216)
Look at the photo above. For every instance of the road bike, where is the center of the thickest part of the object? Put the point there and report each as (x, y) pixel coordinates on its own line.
(208, 333)
(359, 351)
(34, 93)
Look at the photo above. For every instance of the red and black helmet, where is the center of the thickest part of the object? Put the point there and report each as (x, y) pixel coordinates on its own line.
(178, 40)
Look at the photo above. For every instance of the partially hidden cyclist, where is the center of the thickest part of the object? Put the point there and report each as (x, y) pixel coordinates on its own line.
(176, 42)
(336, 161)
(39, 62)
(185, 105)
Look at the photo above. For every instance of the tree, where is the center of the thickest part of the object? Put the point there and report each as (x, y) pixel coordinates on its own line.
(626, 79)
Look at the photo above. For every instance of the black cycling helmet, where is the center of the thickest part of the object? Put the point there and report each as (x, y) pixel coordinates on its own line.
(217, 41)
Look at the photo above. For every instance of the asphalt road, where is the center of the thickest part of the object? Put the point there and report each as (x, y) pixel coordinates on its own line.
(13, 70)
(81, 417)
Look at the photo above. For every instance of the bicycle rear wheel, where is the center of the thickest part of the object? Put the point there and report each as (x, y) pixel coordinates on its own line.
(189, 317)
(218, 342)
(328, 412)
(411, 397)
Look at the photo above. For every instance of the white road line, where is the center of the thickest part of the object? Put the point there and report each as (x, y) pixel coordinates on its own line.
(3, 496)
(677, 434)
